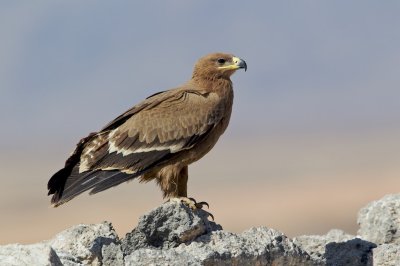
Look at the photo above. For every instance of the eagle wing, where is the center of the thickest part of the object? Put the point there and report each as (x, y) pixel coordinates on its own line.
(150, 134)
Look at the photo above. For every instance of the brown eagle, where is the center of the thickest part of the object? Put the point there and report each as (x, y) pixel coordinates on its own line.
(157, 138)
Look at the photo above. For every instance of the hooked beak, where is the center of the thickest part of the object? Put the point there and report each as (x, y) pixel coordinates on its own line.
(240, 63)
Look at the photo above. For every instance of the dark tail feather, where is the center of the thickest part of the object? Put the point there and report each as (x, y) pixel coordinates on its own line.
(60, 182)
(57, 182)
(96, 180)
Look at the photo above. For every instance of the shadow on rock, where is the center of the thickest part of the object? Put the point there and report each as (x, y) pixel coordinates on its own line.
(355, 252)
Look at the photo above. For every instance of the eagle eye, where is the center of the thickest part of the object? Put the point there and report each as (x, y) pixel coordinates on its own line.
(221, 61)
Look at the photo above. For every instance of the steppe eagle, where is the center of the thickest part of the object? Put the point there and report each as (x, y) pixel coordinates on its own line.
(155, 139)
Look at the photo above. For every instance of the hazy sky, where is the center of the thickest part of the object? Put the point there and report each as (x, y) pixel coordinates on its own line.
(321, 92)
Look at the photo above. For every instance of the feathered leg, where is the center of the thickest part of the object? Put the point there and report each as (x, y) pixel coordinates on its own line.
(173, 182)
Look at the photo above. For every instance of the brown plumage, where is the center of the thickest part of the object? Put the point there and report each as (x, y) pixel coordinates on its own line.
(157, 138)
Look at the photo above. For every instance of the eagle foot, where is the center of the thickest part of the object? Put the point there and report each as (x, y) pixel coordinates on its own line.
(193, 204)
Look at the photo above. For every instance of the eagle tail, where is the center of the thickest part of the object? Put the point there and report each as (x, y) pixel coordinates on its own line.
(57, 182)
(97, 180)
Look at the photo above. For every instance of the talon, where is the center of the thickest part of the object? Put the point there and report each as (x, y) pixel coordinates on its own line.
(210, 214)
(192, 199)
(193, 204)
(201, 204)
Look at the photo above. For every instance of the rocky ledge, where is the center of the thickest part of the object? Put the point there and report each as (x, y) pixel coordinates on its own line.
(173, 234)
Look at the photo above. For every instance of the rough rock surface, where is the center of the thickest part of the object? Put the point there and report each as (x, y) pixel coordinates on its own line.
(172, 234)
(83, 243)
(256, 246)
(168, 226)
(112, 255)
(380, 220)
(35, 254)
(196, 240)
(315, 244)
(78, 245)
(387, 255)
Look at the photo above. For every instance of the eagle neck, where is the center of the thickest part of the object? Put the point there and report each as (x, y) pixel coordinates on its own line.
(220, 84)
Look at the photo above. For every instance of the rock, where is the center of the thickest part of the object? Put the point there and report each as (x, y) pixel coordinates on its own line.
(112, 255)
(337, 248)
(168, 226)
(380, 220)
(147, 256)
(314, 245)
(35, 254)
(387, 255)
(173, 234)
(78, 245)
(355, 252)
(82, 244)
(257, 246)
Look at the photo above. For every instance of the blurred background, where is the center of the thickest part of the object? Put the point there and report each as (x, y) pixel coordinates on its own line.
(314, 134)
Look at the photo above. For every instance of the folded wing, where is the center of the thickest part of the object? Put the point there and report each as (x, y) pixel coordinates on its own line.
(148, 135)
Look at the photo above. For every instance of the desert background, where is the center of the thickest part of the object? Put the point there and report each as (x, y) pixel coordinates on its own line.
(314, 134)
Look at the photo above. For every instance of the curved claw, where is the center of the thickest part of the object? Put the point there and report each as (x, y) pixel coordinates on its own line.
(202, 203)
(210, 214)
(192, 199)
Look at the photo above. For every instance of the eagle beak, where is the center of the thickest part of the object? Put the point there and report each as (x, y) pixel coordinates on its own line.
(235, 65)
(240, 63)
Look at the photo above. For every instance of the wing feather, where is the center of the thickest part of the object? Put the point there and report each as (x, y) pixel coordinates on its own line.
(156, 130)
